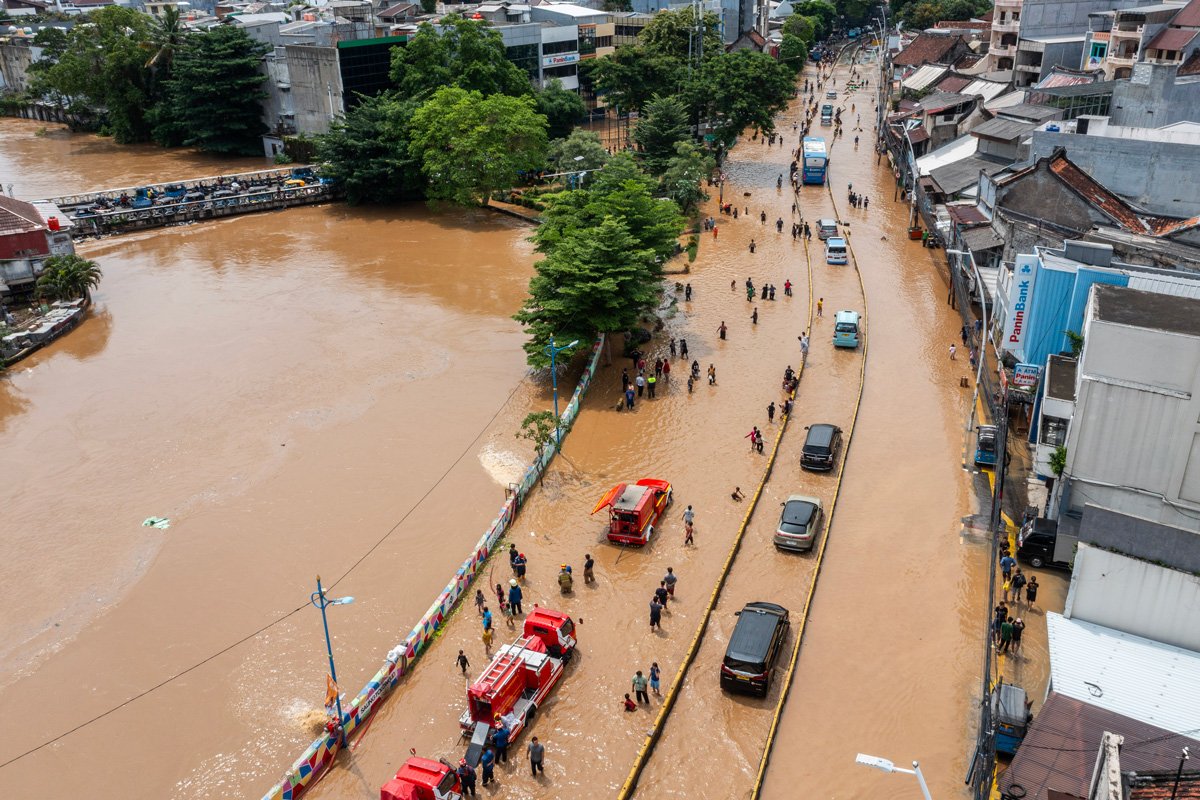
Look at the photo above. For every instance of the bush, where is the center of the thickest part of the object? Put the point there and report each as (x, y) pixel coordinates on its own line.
(693, 247)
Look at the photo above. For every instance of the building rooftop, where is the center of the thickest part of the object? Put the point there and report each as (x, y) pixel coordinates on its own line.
(17, 216)
(1112, 206)
(1142, 11)
(1164, 786)
(953, 83)
(1029, 111)
(1189, 16)
(956, 150)
(927, 48)
(1060, 378)
(924, 76)
(572, 10)
(953, 178)
(1172, 39)
(1004, 130)
(1171, 314)
(989, 89)
(940, 101)
(1060, 748)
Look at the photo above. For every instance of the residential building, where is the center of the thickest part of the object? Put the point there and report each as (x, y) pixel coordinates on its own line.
(29, 234)
(1006, 24)
(1178, 40)
(157, 8)
(1116, 39)
(1054, 32)
(1158, 94)
(929, 48)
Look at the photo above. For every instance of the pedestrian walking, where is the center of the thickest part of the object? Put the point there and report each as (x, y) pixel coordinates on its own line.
(771, 411)
(1018, 630)
(1018, 585)
(787, 288)
(1006, 632)
(515, 596)
(687, 292)
(486, 637)
(965, 334)
(589, 565)
(625, 379)
(639, 687)
(753, 317)
(765, 290)
(512, 562)
(689, 515)
(689, 533)
(655, 614)
(1007, 563)
(466, 777)
(1031, 590)
(669, 580)
(487, 766)
(463, 663)
(655, 675)
(973, 357)
(866, 201)
(629, 397)
(658, 364)
(651, 383)
(660, 594)
(683, 351)
(691, 383)
(714, 231)
(721, 330)
(953, 350)
(480, 602)
(820, 306)
(672, 347)
(803, 346)
(1007, 589)
(487, 619)
(537, 756)
(666, 370)
(772, 297)
(752, 436)
(712, 375)
(640, 380)
(520, 565)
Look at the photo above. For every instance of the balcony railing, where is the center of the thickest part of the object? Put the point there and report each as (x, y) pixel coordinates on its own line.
(1006, 27)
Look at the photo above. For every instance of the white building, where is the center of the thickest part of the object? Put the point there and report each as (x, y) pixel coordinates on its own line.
(1133, 438)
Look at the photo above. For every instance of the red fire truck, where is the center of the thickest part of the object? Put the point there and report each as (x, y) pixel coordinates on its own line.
(633, 510)
(423, 779)
(518, 680)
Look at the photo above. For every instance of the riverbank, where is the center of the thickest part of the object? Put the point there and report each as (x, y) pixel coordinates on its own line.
(40, 326)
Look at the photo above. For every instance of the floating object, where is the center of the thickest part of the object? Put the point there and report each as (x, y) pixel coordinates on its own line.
(161, 523)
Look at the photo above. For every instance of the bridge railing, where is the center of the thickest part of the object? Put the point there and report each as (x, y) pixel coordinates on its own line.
(275, 175)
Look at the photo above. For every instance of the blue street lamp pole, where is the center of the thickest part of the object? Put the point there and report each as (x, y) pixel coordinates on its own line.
(553, 352)
(322, 602)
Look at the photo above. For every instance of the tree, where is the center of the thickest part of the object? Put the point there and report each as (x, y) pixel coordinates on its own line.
(682, 179)
(594, 281)
(168, 35)
(562, 108)
(803, 28)
(663, 123)
(744, 89)
(793, 52)
(823, 11)
(1058, 461)
(214, 99)
(583, 145)
(670, 34)
(467, 54)
(429, 6)
(470, 145)
(100, 65)
(538, 427)
(68, 277)
(631, 76)
(368, 152)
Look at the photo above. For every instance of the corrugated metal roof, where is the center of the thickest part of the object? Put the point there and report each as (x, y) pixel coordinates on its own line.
(956, 150)
(923, 77)
(1064, 79)
(953, 83)
(982, 238)
(1189, 16)
(1008, 100)
(1137, 678)
(989, 89)
(1060, 748)
(1173, 286)
(953, 178)
(1006, 130)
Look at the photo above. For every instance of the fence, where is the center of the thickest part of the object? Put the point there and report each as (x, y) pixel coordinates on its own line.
(400, 659)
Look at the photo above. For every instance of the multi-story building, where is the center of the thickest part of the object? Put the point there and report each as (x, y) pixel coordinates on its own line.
(1006, 24)
(1056, 32)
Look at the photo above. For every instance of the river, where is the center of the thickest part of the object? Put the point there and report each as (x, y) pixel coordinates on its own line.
(287, 386)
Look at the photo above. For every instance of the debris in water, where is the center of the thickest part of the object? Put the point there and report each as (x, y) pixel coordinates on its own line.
(156, 522)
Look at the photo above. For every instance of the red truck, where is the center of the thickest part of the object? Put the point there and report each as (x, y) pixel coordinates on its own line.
(633, 510)
(423, 779)
(520, 677)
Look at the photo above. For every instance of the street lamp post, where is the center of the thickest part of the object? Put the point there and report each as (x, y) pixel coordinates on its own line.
(887, 766)
(983, 336)
(322, 602)
(553, 352)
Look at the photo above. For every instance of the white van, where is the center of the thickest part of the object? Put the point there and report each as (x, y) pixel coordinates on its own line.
(835, 250)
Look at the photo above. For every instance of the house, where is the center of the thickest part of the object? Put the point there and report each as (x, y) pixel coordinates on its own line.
(1116, 39)
(1178, 40)
(400, 13)
(26, 8)
(929, 48)
(29, 234)
(1002, 45)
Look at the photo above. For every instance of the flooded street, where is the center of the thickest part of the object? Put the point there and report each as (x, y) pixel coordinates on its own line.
(285, 387)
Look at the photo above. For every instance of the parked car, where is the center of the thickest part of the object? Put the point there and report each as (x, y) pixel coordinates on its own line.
(757, 639)
(985, 445)
(799, 523)
(821, 447)
(1040, 544)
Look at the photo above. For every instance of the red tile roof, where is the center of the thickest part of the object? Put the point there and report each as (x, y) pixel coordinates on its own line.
(1188, 16)
(1162, 787)
(918, 135)
(953, 84)
(967, 61)
(927, 48)
(17, 216)
(1172, 39)
(1112, 206)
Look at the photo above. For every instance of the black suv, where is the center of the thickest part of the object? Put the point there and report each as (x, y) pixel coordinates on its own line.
(821, 447)
(755, 644)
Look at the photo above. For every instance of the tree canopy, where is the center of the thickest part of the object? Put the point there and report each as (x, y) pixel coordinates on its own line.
(925, 13)
(68, 277)
(744, 89)
(662, 124)
(563, 109)
(670, 34)
(793, 52)
(582, 145)
(466, 54)
(470, 145)
(368, 152)
(214, 97)
(823, 11)
(803, 28)
(682, 180)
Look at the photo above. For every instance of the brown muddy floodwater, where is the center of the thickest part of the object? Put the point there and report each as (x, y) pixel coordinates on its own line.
(376, 347)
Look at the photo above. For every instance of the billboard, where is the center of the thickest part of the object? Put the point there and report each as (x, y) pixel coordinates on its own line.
(1020, 297)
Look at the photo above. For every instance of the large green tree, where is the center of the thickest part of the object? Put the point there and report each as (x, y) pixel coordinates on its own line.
(744, 89)
(630, 77)
(214, 96)
(595, 280)
(581, 151)
(663, 123)
(466, 53)
(793, 52)
(562, 108)
(803, 28)
(682, 179)
(101, 65)
(823, 11)
(368, 152)
(673, 34)
(470, 145)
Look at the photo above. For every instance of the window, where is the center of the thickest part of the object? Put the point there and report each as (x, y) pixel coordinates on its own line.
(1054, 431)
(604, 41)
(525, 57)
(587, 41)
(566, 71)
(628, 31)
(569, 46)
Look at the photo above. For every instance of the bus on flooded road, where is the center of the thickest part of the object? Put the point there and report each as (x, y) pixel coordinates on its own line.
(815, 160)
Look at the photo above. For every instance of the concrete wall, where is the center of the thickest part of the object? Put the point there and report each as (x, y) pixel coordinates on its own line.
(1065, 17)
(316, 87)
(1155, 96)
(1156, 176)
(1135, 596)
(14, 64)
(1064, 54)
(1141, 538)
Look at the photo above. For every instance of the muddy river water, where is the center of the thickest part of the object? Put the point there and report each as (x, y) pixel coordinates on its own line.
(298, 390)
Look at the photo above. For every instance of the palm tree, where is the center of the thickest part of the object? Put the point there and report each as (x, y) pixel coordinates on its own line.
(167, 38)
(68, 277)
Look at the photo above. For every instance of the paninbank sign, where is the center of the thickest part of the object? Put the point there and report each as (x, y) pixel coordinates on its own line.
(1020, 297)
